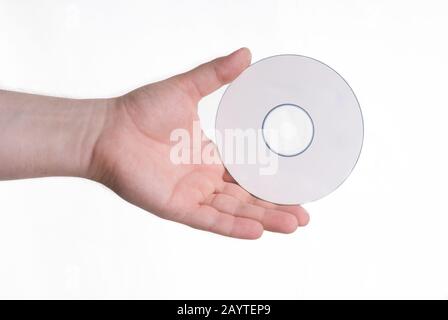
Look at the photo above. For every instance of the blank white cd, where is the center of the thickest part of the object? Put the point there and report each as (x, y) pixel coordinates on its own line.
(300, 126)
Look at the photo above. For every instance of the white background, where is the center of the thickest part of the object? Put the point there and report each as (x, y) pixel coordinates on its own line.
(383, 234)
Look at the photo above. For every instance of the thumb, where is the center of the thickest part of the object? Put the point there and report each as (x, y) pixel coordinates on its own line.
(212, 75)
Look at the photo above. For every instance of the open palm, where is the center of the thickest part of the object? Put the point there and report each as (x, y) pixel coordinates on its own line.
(132, 157)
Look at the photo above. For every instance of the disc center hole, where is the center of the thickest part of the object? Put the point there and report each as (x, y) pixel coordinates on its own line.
(288, 130)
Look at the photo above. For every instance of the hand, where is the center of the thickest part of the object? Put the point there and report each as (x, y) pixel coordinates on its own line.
(132, 157)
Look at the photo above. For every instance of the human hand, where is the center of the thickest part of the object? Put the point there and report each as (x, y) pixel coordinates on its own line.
(132, 157)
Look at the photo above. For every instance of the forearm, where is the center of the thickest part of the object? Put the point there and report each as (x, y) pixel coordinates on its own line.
(48, 136)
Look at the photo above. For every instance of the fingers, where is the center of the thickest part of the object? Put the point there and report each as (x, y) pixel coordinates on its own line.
(212, 75)
(235, 213)
(271, 219)
(210, 219)
(299, 212)
(236, 191)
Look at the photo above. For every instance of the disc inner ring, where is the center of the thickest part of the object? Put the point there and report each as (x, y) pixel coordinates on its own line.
(288, 130)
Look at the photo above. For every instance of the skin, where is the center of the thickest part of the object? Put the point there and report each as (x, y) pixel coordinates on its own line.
(124, 143)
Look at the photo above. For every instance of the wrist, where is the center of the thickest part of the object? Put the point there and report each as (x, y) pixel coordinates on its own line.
(94, 118)
(47, 136)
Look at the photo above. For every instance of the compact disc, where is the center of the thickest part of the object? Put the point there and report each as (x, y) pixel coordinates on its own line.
(289, 129)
